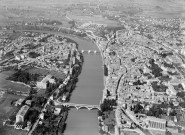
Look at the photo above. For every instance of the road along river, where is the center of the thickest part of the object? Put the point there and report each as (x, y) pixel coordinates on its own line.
(88, 91)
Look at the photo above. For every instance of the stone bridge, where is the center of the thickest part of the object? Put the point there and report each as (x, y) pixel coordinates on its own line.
(90, 51)
(79, 106)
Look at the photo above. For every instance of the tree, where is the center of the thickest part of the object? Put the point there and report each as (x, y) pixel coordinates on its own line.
(138, 108)
(32, 91)
(156, 111)
(156, 70)
(168, 133)
(173, 113)
(49, 88)
(51, 102)
(23, 76)
(182, 104)
(12, 117)
(105, 70)
(100, 113)
(32, 116)
(39, 101)
(164, 105)
(108, 104)
(181, 94)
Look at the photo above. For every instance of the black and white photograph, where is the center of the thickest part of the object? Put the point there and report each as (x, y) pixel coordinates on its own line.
(92, 67)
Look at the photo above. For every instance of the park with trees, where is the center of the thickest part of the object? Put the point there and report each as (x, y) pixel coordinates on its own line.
(23, 76)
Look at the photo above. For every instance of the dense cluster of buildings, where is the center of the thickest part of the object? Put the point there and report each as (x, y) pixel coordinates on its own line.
(40, 50)
(147, 70)
(145, 63)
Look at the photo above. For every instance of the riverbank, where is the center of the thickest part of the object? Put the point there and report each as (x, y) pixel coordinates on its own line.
(88, 91)
(106, 116)
(61, 94)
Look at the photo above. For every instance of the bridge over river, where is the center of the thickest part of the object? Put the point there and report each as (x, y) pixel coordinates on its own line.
(78, 106)
(90, 52)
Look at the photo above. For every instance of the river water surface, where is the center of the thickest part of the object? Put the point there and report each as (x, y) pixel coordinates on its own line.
(88, 91)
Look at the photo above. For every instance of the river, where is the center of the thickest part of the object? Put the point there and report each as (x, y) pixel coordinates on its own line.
(88, 91)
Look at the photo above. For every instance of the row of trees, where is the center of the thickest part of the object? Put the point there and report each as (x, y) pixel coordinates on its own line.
(105, 70)
(68, 89)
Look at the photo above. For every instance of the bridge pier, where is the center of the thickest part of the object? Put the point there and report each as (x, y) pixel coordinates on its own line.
(89, 108)
(77, 108)
(90, 51)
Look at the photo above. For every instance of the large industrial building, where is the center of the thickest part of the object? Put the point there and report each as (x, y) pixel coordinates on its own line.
(22, 113)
